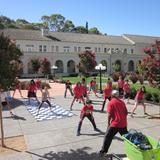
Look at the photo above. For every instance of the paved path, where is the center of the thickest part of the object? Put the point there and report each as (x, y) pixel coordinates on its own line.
(57, 140)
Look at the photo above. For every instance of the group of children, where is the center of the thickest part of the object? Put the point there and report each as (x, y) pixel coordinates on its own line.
(80, 94)
(32, 90)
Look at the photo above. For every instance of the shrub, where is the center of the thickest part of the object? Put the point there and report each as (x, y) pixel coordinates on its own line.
(133, 93)
(148, 96)
(73, 74)
(155, 97)
(133, 78)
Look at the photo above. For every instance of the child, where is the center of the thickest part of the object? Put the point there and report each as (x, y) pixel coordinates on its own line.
(120, 85)
(107, 93)
(39, 84)
(45, 96)
(139, 99)
(17, 87)
(87, 111)
(6, 99)
(78, 94)
(68, 86)
(127, 90)
(93, 86)
(32, 91)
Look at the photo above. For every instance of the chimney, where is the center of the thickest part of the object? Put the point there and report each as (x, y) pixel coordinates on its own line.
(45, 31)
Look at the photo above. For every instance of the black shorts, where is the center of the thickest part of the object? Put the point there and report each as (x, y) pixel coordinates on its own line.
(126, 95)
(4, 103)
(31, 94)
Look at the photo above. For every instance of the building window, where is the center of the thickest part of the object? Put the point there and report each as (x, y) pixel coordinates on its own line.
(87, 48)
(95, 49)
(125, 50)
(105, 50)
(66, 48)
(44, 48)
(99, 49)
(40, 48)
(29, 48)
(112, 50)
(52, 48)
(132, 51)
(79, 49)
(57, 49)
(75, 49)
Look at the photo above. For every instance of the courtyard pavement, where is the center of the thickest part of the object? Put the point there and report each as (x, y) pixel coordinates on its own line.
(56, 139)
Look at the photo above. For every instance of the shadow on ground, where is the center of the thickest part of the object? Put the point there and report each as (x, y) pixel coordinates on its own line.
(79, 154)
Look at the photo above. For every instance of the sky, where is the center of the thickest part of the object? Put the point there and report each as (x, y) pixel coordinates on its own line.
(113, 17)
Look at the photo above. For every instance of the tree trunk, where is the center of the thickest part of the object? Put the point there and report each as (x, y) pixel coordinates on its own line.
(1, 123)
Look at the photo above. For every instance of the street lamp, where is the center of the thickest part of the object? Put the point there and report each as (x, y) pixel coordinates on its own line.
(100, 68)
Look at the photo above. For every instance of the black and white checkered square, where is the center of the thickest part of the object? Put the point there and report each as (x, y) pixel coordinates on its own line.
(45, 113)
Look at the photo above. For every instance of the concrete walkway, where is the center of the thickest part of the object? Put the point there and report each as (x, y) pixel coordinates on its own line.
(56, 139)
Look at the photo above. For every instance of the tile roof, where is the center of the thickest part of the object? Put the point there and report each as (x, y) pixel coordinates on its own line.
(142, 38)
(22, 34)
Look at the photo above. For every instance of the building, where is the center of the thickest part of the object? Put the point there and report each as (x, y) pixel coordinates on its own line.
(62, 49)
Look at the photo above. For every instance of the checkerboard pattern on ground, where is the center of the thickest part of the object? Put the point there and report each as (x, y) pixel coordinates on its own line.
(45, 113)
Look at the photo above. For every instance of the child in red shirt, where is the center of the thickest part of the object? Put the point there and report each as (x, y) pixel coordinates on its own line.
(87, 111)
(127, 90)
(39, 85)
(107, 92)
(17, 87)
(93, 86)
(139, 99)
(32, 90)
(78, 94)
(120, 85)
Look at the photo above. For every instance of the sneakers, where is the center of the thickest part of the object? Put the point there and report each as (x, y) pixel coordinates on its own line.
(97, 130)
(102, 154)
(146, 114)
(78, 133)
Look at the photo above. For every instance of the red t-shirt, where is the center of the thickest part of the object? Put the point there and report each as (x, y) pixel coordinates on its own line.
(126, 87)
(84, 89)
(32, 88)
(118, 113)
(107, 91)
(18, 84)
(93, 83)
(38, 84)
(78, 91)
(87, 109)
(139, 95)
(120, 83)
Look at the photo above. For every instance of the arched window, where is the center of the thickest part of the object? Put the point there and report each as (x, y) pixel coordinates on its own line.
(131, 66)
(71, 66)
(59, 65)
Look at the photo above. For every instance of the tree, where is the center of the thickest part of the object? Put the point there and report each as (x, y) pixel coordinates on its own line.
(5, 21)
(151, 64)
(35, 64)
(87, 62)
(68, 26)
(45, 66)
(94, 30)
(54, 22)
(9, 68)
(80, 29)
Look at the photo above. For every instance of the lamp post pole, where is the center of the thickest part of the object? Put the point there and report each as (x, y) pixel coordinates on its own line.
(100, 68)
(100, 74)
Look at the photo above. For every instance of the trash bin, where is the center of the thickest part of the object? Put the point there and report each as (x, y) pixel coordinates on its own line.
(133, 152)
